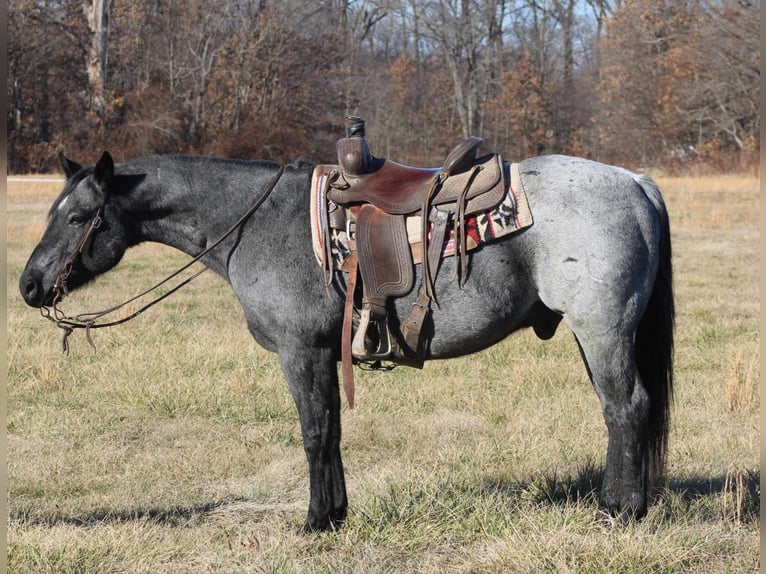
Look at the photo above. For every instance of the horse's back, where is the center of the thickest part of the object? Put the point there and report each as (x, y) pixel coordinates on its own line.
(579, 190)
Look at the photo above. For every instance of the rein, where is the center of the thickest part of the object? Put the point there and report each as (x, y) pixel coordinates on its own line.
(87, 321)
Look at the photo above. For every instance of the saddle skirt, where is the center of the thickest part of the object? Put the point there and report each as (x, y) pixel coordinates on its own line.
(510, 215)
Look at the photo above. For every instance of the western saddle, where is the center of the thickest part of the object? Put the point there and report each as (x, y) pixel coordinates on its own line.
(379, 197)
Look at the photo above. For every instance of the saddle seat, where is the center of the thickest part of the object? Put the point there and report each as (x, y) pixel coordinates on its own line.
(399, 189)
(394, 187)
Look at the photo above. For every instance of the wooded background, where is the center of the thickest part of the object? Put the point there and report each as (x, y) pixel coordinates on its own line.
(671, 83)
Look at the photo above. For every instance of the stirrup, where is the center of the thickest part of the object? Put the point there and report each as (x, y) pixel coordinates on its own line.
(380, 337)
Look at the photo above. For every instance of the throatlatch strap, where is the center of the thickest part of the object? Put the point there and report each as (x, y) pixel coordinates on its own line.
(347, 365)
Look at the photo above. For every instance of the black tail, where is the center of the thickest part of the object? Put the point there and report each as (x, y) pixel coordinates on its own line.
(654, 339)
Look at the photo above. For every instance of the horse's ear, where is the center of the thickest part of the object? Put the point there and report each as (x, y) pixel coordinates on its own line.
(70, 167)
(103, 172)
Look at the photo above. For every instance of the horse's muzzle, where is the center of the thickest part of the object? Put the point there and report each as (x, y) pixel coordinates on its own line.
(31, 287)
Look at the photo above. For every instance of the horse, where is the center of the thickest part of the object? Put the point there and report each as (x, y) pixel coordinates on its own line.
(598, 258)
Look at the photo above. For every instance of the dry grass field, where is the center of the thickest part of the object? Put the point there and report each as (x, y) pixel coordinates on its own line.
(175, 447)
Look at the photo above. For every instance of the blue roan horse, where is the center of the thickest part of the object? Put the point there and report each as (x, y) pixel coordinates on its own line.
(598, 257)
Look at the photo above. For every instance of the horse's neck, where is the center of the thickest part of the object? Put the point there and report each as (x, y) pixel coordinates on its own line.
(187, 203)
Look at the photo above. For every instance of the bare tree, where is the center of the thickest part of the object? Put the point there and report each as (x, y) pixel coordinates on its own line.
(356, 22)
(462, 30)
(724, 103)
(97, 17)
(45, 80)
(621, 80)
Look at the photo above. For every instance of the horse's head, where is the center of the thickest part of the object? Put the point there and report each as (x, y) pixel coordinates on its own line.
(84, 237)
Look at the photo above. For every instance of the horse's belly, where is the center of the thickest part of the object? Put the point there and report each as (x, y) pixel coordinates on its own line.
(457, 340)
(494, 302)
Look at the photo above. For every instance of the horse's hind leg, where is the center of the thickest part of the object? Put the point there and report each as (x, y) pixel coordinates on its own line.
(312, 376)
(611, 365)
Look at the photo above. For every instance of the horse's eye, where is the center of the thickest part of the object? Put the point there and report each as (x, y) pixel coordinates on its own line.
(77, 219)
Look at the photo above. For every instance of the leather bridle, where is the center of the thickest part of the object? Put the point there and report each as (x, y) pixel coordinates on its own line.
(87, 321)
(60, 287)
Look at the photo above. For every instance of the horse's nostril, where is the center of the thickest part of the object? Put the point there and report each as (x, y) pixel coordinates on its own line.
(31, 290)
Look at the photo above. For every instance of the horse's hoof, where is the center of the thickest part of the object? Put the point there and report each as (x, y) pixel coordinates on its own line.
(329, 523)
(314, 526)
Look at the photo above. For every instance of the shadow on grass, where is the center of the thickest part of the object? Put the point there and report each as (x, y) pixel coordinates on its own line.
(706, 486)
(728, 497)
(734, 496)
(178, 516)
(548, 487)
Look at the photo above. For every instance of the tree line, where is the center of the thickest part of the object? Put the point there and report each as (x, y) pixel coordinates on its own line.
(634, 82)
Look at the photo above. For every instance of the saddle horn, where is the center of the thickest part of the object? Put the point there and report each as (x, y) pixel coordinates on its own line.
(353, 154)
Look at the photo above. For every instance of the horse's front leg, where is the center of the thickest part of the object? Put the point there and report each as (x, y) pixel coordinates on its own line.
(312, 376)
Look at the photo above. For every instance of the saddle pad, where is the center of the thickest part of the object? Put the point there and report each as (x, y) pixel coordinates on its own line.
(512, 214)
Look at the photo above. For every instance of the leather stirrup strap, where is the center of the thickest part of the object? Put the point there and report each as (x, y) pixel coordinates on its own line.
(414, 323)
(347, 365)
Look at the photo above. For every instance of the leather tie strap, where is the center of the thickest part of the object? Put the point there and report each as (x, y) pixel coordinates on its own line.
(460, 222)
(425, 209)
